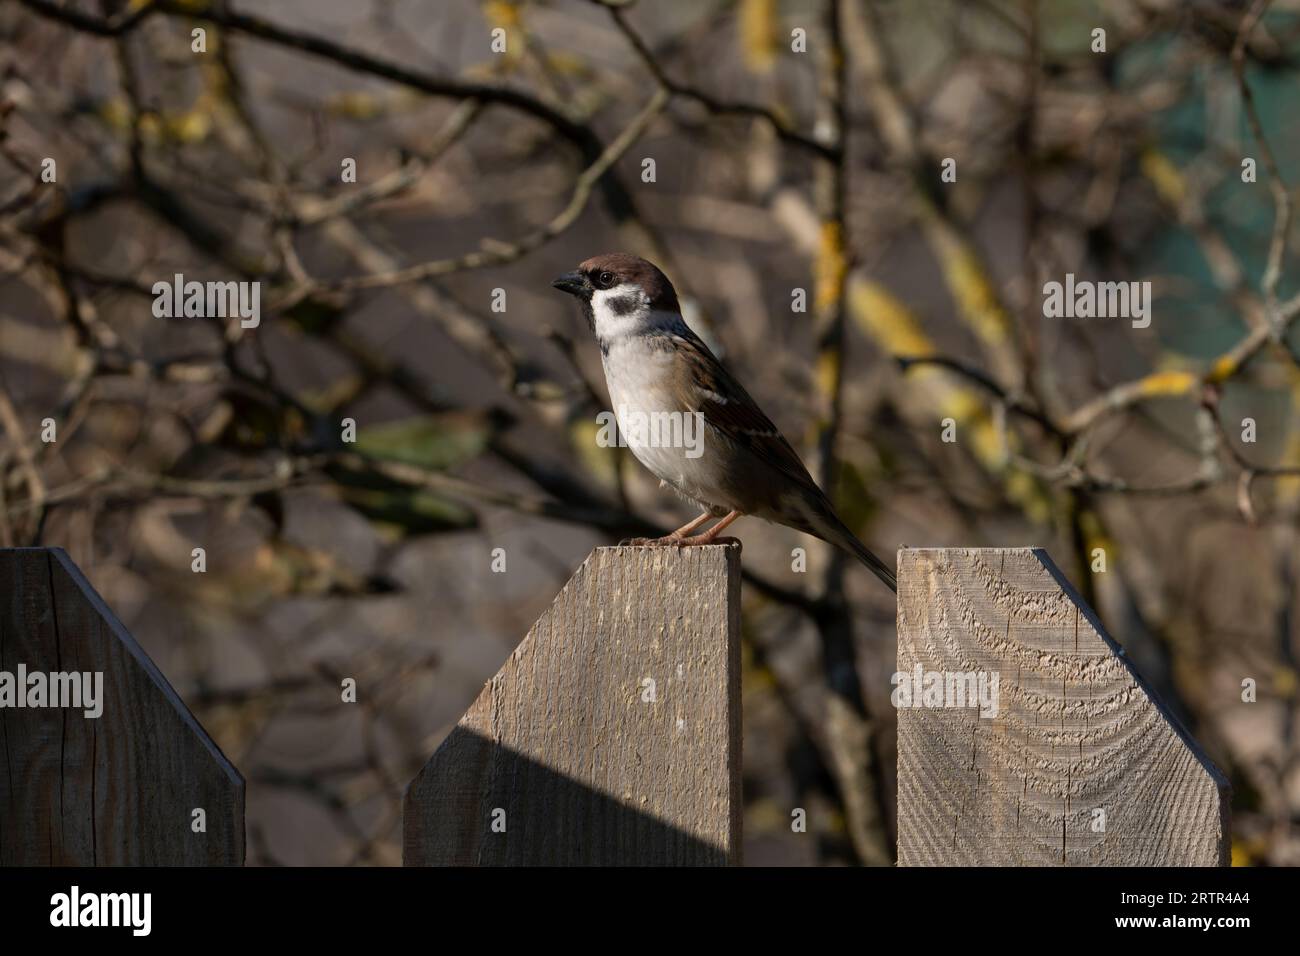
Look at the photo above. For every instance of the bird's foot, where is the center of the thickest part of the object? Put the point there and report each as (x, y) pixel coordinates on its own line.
(667, 541)
(679, 541)
(699, 540)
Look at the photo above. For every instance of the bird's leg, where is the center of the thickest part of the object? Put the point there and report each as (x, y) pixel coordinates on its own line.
(711, 536)
(676, 538)
(690, 526)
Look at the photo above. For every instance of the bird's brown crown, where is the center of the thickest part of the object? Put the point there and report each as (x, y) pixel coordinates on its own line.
(621, 267)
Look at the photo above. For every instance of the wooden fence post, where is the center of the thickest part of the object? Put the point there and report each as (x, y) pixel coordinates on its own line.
(120, 788)
(1081, 764)
(611, 735)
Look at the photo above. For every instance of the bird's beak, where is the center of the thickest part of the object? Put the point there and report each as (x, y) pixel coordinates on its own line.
(574, 283)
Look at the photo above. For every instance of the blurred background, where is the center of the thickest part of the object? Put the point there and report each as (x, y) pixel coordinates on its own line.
(798, 200)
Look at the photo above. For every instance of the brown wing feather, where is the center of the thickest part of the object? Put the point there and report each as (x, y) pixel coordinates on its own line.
(739, 418)
(737, 415)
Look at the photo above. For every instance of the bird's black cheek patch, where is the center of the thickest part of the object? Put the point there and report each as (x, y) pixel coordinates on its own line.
(624, 304)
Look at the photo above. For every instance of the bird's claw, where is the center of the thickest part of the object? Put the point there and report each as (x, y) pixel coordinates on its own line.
(679, 541)
(700, 540)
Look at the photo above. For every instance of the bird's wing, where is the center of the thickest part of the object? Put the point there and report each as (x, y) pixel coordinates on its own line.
(726, 406)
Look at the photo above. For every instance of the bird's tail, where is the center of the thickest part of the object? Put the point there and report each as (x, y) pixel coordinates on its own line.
(833, 531)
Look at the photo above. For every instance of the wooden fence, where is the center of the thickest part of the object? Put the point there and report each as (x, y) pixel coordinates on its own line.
(612, 733)
(139, 783)
(1081, 764)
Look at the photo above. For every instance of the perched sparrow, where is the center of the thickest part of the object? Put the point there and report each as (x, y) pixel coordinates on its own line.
(654, 364)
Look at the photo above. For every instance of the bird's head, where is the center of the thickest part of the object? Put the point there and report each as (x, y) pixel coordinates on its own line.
(619, 293)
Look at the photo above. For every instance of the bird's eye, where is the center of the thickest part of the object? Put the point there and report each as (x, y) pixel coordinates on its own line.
(605, 280)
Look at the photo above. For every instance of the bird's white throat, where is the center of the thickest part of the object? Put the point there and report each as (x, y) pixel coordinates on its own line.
(625, 311)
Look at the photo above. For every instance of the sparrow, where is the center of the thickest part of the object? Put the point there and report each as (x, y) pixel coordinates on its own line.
(653, 364)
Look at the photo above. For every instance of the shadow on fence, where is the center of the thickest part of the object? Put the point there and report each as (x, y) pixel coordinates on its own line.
(488, 805)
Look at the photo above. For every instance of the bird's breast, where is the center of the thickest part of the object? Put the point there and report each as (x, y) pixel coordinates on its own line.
(668, 438)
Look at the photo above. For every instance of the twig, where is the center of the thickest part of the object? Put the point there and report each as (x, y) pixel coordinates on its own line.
(826, 150)
(498, 253)
(1281, 195)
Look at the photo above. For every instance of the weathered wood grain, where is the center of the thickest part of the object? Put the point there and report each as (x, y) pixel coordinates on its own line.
(565, 740)
(119, 789)
(1081, 765)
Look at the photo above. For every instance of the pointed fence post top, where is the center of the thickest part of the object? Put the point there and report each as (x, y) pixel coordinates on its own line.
(611, 735)
(1070, 760)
